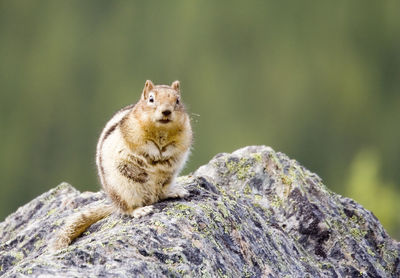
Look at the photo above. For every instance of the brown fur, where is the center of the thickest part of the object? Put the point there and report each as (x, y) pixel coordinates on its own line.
(133, 172)
(76, 225)
(116, 199)
(139, 153)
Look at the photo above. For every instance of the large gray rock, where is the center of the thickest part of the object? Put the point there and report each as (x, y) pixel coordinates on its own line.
(252, 213)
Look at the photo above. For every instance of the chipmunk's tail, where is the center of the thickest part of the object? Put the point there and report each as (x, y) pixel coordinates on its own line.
(77, 223)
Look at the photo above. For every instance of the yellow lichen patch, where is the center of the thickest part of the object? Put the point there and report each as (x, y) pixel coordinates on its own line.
(59, 222)
(258, 197)
(222, 208)
(369, 251)
(357, 233)
(276, 202)
(242, 168)
(286, 180)
(111, 224)
(180, 210)
(257, 157)
(182, 207)
(19, 256)
(159, 224)
(50, 212)
(247, 189)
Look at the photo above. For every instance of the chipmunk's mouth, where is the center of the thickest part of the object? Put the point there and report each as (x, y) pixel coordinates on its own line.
(164, 121)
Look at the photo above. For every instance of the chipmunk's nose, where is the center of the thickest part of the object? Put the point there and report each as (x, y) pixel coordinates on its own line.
(166, 112)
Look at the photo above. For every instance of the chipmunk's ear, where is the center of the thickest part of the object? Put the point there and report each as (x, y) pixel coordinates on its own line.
(148, 86)
(175, 85)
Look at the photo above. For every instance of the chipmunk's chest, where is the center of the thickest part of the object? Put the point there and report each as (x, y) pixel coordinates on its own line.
(161, 140)
(158, 150)
(159, 144)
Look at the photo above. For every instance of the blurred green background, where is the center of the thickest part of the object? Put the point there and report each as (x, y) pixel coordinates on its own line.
(317, 80)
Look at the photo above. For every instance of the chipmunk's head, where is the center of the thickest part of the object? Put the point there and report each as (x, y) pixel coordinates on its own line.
(161, 104)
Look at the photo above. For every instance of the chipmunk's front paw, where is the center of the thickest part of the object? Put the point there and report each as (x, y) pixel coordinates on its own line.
(142, 211)
(176, 191)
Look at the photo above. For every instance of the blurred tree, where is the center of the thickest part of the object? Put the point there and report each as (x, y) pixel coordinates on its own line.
(318, 81)
(365, 185)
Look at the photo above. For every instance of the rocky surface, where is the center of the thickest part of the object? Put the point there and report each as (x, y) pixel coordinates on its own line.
(252, 213)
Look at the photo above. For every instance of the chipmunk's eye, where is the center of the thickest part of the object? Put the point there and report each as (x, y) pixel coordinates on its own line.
(151, 98)
(178, 101)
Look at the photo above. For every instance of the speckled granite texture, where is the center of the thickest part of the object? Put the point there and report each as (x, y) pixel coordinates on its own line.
(252, 213)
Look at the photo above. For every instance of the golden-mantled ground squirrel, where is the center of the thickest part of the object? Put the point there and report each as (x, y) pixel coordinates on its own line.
(139, 153)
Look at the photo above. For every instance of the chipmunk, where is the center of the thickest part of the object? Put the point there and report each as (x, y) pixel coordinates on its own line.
(140, 152)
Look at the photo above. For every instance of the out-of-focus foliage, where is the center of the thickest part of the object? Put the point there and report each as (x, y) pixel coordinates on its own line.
(319, 81)
(366, 185)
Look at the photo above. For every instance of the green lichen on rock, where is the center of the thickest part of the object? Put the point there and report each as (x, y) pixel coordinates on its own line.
(239, 167)
(252, 213)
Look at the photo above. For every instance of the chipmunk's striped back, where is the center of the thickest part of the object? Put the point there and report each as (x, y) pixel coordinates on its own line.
(107, 130)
